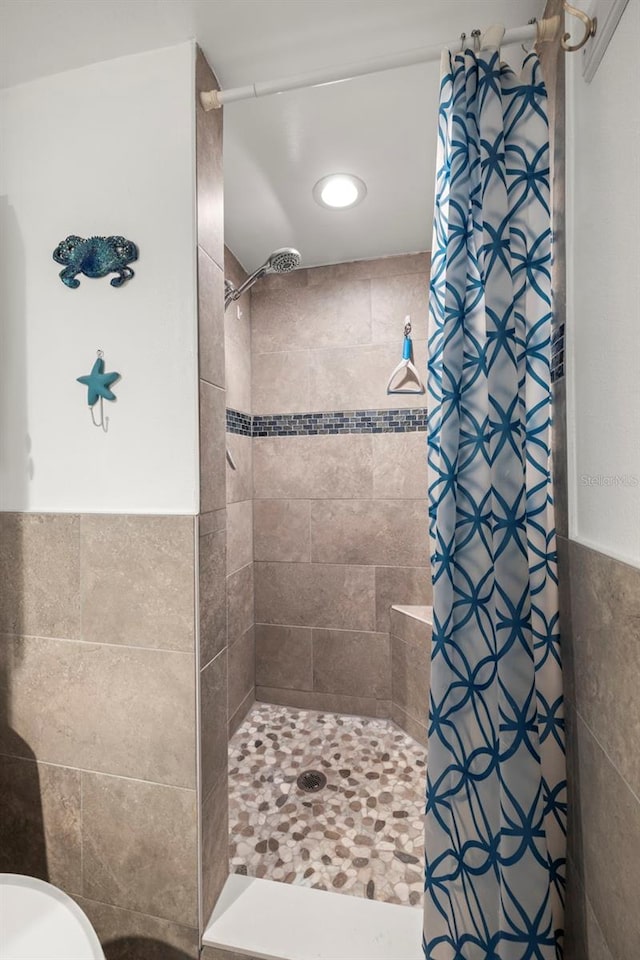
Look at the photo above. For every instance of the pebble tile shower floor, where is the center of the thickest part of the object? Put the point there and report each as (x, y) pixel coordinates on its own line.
(362, 834)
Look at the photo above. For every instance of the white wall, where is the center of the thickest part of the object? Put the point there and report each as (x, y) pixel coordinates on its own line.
(107, 149)
(603, 141)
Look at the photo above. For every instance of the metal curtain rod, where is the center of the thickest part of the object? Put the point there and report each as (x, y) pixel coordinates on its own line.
(541, 31)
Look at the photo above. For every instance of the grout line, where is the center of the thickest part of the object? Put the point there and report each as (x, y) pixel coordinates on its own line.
(98, 773)
(608, 757)
(137, 913)
(98, 643)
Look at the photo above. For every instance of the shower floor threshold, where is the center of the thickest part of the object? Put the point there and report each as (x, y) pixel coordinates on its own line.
(266, 920)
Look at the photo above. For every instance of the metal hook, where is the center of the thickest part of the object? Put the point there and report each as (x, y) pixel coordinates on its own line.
(530, 22)
(476, 34)
(103, 421)
(590, 27)
(407, 327)
(463, 37)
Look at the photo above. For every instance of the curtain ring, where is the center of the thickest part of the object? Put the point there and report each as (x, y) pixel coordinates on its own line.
(476, 34)
(463, 37)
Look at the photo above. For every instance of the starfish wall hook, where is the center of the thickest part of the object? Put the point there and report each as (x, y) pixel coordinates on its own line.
(98, 383)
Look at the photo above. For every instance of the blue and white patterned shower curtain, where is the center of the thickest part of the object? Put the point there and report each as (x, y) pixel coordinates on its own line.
(496, 790)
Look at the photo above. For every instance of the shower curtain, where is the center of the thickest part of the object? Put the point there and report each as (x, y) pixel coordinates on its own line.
(496, 788)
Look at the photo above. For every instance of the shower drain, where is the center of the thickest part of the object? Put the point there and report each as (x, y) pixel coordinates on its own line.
(311, 781)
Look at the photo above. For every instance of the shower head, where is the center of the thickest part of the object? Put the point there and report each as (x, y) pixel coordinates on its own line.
(283, 260)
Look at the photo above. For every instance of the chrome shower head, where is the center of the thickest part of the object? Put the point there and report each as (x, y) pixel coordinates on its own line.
(284, 260)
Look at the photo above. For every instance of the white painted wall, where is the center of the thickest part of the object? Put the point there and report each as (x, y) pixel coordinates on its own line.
(603, 140)
(106, 149)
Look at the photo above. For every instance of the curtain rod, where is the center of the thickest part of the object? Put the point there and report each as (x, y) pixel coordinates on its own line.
(540, 30)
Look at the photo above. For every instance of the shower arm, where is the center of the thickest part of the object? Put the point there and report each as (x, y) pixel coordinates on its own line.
(232, 293)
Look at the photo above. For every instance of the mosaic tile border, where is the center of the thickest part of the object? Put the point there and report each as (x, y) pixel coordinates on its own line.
(408, 420)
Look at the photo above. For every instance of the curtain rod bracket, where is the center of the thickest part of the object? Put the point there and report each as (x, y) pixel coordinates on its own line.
(210, 100)
(590, 27)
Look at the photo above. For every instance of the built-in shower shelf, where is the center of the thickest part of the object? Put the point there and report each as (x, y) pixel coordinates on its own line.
(278, 921)
(423, 613)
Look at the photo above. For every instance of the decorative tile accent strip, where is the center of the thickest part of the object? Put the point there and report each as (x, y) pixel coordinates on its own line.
(238, 422)
(409, 420)
(557, 354)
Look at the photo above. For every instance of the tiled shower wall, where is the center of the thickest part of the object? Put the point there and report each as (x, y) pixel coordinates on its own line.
(340, 516)
(239, 505)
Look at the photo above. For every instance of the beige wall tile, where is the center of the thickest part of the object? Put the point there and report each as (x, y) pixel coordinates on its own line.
(212, 448)
(349, 663)
(215, 845)
(240, 602)
(392, 299)
(284, 657)
(315, 595)
(559, 441)
(597, 949)
(356, 377)
(415, 729)
(238, 375)
(40, 574)
(120, 710)
(280, 382)
(313, 700)
(411, 630)
(239, 535)
(299, 468)
(213, 594)
(140, 846)
(575, 933)
(390, 532)
(400, 466)
(401, 265)
(606, 648)
(209, 167)
(40, 822)
(213, 719)
(237, 327)
(240, 479)
(210, 320)
(611, 846)
(212, 953)
(403, 585)
(212, 522)
(242, 670)
(281, 530)
(299, 316)
(137, 580)
(126, 935)
(236, 719)
(410, 675)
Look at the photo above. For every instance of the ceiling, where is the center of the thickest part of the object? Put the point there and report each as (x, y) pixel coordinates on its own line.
(381, 128)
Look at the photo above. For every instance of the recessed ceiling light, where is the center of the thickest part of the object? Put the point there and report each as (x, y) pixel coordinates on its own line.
(339, 190)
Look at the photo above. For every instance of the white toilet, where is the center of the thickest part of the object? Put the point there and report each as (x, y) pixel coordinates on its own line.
(40, 922)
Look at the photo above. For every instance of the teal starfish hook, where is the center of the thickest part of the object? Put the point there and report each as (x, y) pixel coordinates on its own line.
(98, 382)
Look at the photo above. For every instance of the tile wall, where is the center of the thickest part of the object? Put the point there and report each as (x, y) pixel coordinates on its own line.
(97, 724)
(340, 521)
(410, 637)
(240, 569)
